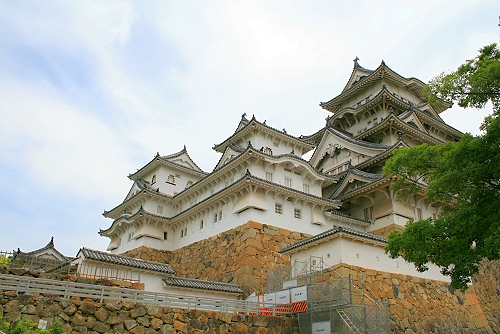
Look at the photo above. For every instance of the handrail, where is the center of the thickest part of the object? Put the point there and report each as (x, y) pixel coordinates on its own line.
(66, 289)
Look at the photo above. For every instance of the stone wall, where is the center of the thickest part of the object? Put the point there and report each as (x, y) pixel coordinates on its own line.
(90, 317)
(418, 305)
(241, 255)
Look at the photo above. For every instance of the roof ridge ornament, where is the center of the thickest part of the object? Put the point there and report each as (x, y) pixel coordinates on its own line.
(243, 116)
(382, 62)
(356, 64)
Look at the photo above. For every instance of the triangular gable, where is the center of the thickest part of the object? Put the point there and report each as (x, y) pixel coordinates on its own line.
(358, 73)
(231, 152)
(182, 158)
(334, 139)
(136, 187)
(243, 122)
(354, 179)
(412, 119)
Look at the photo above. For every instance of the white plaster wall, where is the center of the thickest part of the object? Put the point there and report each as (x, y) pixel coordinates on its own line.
(345, 250)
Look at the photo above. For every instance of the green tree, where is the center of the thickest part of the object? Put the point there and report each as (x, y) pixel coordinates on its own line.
(463, 176)
(473, 84)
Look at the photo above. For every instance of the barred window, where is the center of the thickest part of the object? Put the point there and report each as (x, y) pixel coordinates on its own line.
(278, 208)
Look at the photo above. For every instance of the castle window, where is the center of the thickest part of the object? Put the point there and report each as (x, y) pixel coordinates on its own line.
(288, 182)
(215, 217)
(153, 179)
(368, 213)
(220, 215)
(185, 231)
(297, 213)
(278, 208)
(201, 224)
(267, 150)
(269, 176)
(189, 184)
(159, 209)
(306, 188)
(130, 236)
(171, 179)
(165, 235)
(182, 233)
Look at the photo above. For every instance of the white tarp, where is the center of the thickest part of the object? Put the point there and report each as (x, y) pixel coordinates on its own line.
(299, 294)
(321, 327)
(270, 298)
(283, 297)
(290, 284)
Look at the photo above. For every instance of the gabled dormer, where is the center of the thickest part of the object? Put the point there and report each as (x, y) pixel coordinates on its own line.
(232, 151)
(182, 158)
(358, 73)
(264, 138)
(353, 179)
(337, 150)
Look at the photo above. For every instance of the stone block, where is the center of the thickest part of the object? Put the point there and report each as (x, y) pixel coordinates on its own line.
(154, 310)
(78, 320)
(137, 312)
(138, 330)
(101, 314)
(156, 323)
(87, 308)
(471, 298)
(101, 327)
(129, 324)
(239, 328)
(180, 326)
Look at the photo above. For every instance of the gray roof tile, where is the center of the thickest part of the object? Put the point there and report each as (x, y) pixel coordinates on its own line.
(126, 261)
(202, 285)
(334, 230)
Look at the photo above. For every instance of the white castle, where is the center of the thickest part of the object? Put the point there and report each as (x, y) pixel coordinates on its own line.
(339, 195)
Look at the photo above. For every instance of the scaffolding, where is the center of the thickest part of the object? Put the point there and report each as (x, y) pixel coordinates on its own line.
(335, 304)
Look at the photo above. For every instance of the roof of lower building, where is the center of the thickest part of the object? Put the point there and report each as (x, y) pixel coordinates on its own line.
(332, 232)
(191, 283)
(96, 255)
(41, 251)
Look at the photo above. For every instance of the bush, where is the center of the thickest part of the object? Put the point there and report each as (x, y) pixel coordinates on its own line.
(24, 326)
(4, 261)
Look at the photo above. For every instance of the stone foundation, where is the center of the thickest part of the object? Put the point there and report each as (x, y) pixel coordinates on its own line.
(418, 305)
(241, 255)
(90, 317)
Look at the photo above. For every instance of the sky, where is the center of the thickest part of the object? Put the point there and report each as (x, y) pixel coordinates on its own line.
(91, 90)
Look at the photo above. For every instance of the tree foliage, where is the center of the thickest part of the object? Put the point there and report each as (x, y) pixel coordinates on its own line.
(473, 84)
(463, 177)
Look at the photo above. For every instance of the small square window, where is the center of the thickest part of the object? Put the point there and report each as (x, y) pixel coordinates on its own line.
(278, 208)
(215, 217)
(306, 188)
(165, 235)
(288, 182)
(269, 176)
(297, 213)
